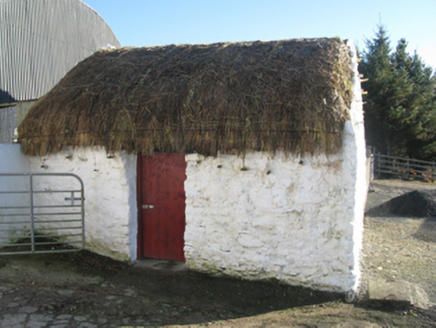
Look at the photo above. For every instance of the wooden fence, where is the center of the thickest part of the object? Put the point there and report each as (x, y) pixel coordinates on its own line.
(405, 168)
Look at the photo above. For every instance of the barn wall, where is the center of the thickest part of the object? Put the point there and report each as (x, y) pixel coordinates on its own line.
(110, 196)
(35, 55)
(8, 123)
(295, 219)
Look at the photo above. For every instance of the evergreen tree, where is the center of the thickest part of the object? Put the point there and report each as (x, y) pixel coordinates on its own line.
(400, 106)
(421, 142)
(376, 67)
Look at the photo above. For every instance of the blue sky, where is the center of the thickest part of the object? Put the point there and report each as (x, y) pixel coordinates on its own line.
(160, 22)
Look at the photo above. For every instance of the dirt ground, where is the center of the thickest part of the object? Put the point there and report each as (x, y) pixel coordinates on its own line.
(106, 293)
(400, 248)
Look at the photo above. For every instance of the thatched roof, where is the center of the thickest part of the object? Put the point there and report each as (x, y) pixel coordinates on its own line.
(290, 95)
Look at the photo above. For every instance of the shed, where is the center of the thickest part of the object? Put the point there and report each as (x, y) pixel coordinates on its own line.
(245, 159)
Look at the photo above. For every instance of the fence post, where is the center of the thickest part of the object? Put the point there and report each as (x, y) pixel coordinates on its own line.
(432, 171)
(408, 168)
(378, 164)
(32, 215)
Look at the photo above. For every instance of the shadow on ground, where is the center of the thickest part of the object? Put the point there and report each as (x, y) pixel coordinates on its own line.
(427, 230)
(85, 289)
(165, 292)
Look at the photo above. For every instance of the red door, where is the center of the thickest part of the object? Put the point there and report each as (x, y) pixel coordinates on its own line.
(161, 206)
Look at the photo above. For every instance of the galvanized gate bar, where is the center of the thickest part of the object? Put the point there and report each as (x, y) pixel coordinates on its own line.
(57, 231)
(405, 167)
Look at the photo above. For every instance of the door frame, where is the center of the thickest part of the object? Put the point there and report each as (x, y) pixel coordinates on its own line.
(139, 236)
(140, 217)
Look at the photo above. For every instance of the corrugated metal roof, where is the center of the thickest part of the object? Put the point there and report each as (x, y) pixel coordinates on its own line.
(41, 40)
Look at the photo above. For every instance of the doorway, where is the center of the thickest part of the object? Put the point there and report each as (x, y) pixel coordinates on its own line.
(161, 206)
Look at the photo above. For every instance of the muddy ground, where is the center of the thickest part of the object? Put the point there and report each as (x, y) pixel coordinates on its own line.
(87, 290)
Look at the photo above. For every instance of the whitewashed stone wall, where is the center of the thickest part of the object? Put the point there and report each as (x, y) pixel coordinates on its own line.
(295, 219)
(110, 196)
(355, 147)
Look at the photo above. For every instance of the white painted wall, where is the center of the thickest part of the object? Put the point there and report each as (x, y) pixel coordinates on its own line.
(355, 147)
(298, 220)
(110, 196)
(12, 161)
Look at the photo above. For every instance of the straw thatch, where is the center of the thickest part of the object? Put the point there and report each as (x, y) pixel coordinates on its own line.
(290, 95)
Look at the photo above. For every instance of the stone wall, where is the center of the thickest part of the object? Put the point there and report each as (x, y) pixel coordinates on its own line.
(295, 219)
(356, 166)
(110, 196)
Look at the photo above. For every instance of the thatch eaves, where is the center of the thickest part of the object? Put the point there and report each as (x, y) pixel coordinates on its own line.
(291, 95)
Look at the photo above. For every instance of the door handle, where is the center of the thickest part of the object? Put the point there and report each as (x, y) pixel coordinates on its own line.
(147, 207)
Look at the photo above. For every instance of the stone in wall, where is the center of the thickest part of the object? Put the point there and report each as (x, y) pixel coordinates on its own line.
(110, 197)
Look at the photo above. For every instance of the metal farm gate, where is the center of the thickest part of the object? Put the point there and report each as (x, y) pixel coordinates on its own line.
(41, 213)
(404, 167)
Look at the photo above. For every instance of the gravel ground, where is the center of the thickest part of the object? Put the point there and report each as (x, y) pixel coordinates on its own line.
(399, 248)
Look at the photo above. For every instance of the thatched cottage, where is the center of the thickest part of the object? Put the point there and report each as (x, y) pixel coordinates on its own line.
(246, 159)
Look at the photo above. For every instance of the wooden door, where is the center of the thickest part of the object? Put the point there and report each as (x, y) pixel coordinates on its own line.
(161, 206)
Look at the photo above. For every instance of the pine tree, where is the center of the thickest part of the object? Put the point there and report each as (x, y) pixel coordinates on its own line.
(424, 100)
(377, 68)
(400, 106)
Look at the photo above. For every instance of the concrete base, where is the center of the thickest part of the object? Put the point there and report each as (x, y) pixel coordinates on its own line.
(166, 265)
(398, 293)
